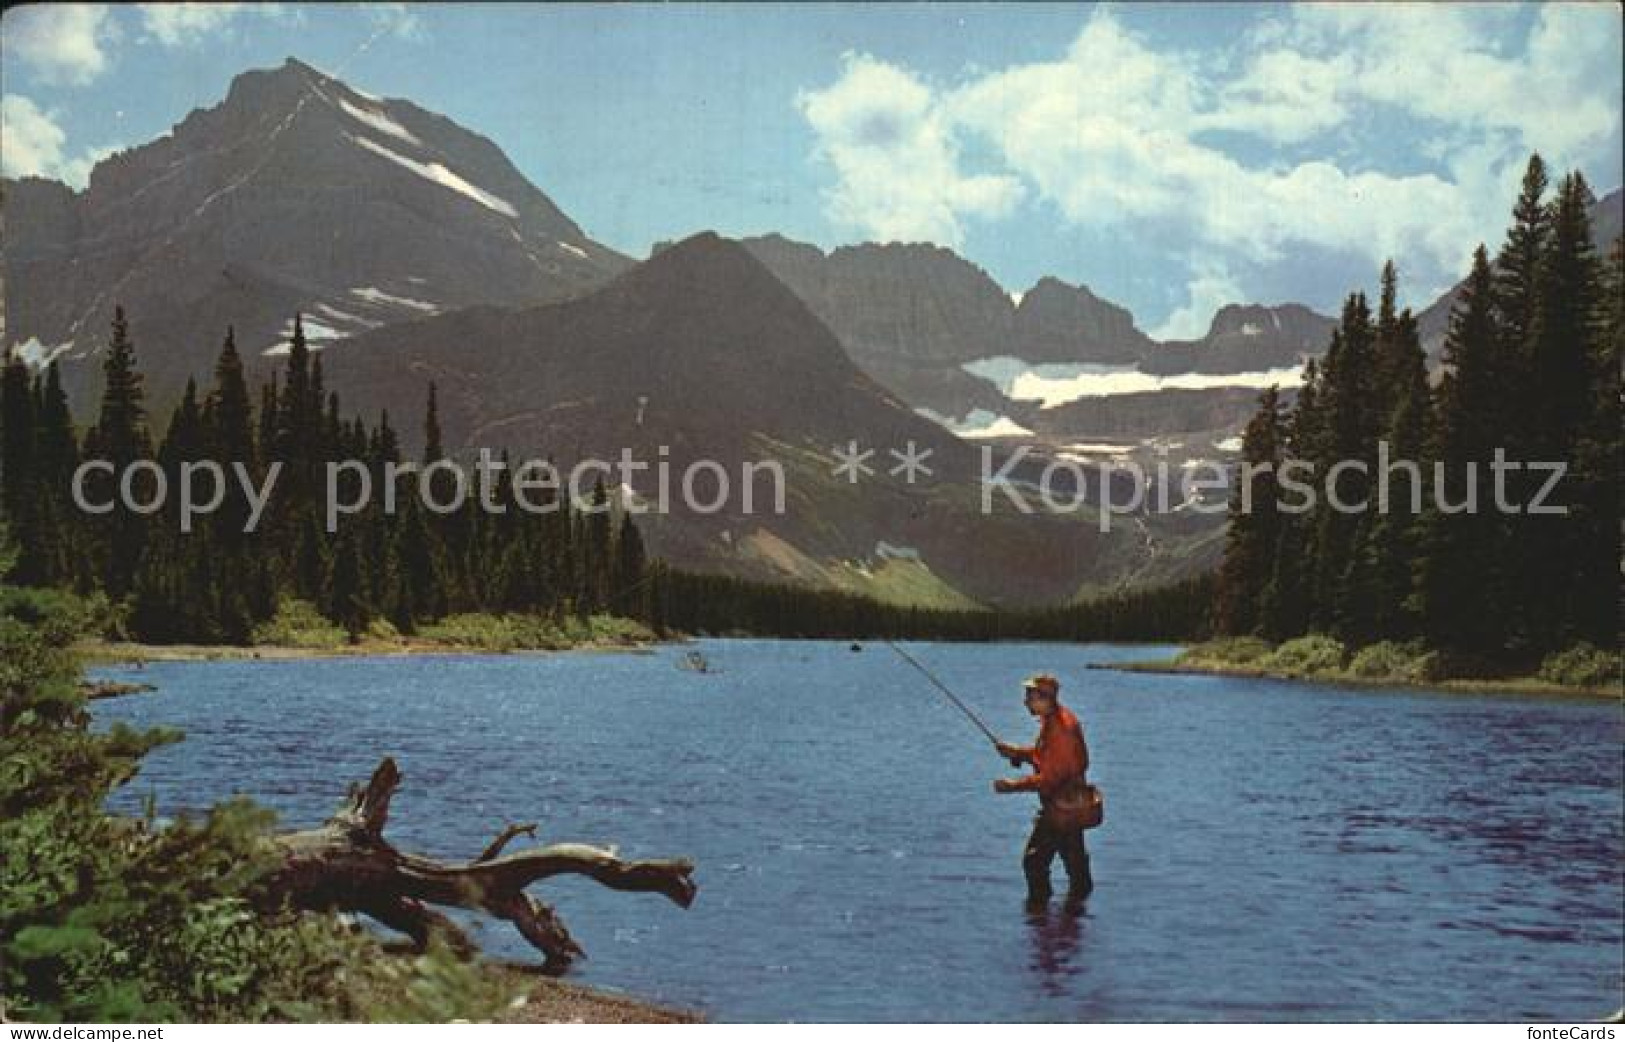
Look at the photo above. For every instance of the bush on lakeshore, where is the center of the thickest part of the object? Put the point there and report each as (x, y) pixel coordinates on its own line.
(107, 918)
(1407, 662)
(1310, 656)
(297, 624)
(488, 632)
(1228, 651)
(1583, 665)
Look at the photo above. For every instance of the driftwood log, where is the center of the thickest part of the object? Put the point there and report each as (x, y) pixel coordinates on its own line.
(347, 865)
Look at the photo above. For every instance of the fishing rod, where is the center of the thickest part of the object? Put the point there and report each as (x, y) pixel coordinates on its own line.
(940, 686)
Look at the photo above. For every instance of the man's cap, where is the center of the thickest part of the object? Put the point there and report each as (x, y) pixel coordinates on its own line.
(1044, 682)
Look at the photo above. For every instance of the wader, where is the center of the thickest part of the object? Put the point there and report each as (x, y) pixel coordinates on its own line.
(1045, 842)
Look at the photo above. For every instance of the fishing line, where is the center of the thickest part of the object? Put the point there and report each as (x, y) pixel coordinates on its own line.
(940, 686)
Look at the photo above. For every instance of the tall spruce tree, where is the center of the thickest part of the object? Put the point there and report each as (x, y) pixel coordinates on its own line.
(1557, 400)
(17, 461)
(120, 438)
(1394, 547)
(1255, 529)
(1463, 571)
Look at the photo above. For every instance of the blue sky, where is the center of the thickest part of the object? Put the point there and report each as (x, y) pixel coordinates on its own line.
(1174, 157)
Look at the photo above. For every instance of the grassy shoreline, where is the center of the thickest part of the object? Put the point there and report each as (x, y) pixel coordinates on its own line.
(1527, 687)
(110, 652)
(298, 632)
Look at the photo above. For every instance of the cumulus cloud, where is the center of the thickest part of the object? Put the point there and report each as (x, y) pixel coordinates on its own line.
(36, 146)
(396, 19)
(61, 44)
(1211, 288)
(189, 24)
(897, 164)
(1117, 131)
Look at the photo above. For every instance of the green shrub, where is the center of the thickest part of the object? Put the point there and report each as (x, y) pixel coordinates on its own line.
(1228, 651)
(297, 624)
(1584, 665)
(1390, 660)
(1429, 667)
(532, 632)
(107, 918)
(1312, 655)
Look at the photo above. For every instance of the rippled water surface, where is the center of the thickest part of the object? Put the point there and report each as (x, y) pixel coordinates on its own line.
(1272, 851)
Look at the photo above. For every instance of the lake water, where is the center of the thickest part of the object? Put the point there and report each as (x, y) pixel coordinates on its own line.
(1272, 851)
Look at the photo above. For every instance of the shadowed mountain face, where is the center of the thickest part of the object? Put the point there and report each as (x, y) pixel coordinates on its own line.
(701, 354)
(295, 193)
(913, 316)
(1246, 338)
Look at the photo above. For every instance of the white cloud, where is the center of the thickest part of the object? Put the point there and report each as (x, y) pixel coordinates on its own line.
(1211, 288)
(1466, 69)
(33, 141)
(895, 158)
(1117, 132)
(1108, 149)
(76, 171)
(62, 44)
(397, 19)
(190, 24)
(32, 144)
(1284, 97)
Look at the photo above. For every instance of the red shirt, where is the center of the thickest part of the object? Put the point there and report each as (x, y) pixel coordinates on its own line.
(1060, 757)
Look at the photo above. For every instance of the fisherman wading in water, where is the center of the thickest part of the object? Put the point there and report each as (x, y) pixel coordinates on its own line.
(1060, 762)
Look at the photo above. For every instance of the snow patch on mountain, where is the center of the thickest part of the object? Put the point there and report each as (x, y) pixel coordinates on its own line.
(1096, 451)
(442, 176)
(374, 295)
(318, 336)
(379, 122)
(577, 250)
(345, 318)
(1054, 385)
(978, 423)
(36, 355)
(892, 552)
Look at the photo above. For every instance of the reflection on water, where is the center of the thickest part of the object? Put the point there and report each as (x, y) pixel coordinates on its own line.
(1274, 851)
(1055, 933)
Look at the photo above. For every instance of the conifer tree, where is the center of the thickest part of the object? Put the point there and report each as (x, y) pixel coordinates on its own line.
(120, 438)
(231, 412)
(432, 448)
(1462, 575)
(1254, 531)
(629, 596)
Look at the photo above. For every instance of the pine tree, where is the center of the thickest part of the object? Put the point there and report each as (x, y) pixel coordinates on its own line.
(346, 598)
(1346, 431)
(1394, 547)
(17, 456)
(58, 555)
(1254, 532)
(120, 438)
(629, 596)
(269, 419)
(1462, 574)
(1287, 602)
(432, 448)
(185, 439)
(230, 410)
(1557, 401)
(1518, 265)
(1595, 598)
